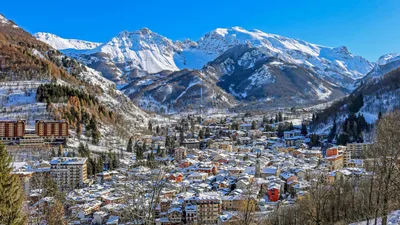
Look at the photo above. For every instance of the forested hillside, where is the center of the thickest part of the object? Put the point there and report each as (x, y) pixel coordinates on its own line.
(68, 88)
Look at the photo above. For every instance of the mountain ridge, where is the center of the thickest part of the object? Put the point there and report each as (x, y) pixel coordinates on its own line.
(150, 52)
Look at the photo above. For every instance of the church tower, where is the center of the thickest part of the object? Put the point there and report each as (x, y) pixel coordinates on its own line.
(258, 166)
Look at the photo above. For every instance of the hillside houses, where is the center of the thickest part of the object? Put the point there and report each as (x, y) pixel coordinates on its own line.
(206, 178)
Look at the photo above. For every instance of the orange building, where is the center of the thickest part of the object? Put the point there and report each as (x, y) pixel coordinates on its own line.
(12, 128)
(332, 152)
(273, 192)
(52, 128)
(179, 178)
(334, 158)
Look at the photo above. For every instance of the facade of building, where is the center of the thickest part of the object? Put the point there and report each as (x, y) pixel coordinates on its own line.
(52, 128)
(180, 154)
(12, 129)
(209, 207)
(69, 173)
(356, 150)
(191, 144)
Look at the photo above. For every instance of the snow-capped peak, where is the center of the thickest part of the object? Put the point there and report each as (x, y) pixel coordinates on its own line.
(63, 44)
(331, 62)
(142, 49)
(221, 39)
(387, 58)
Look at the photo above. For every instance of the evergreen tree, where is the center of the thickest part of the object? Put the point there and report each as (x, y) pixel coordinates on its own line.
(150, 157)
(158, 150)
(304, 131)
(79, 130)
(199, 119)
(267, 128)
(253, 125)
(110, 160)
(158, 130)
(114, 160)
(291, 127)
(356, 104)
(280, 117)
(60, 151)
(11, 194)
(314, 140)
(264, 120)
(380, 115)
(129, 148)
(95, 134)
(144, 148)
(92, 166)
(50, 189)
(280, 131)
(139, 151)
(173, 142)
(53, 153)
(167, 142)
(181, 136)
(201, 134)
(332, 132)
(150, 126)
(208, 131)
(343, 139)
(100, 165)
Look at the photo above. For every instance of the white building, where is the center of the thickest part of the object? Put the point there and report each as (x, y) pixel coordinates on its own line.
(69, 173)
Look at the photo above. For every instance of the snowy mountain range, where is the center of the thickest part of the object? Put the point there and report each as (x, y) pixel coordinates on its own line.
(247, 65)
(130, 54)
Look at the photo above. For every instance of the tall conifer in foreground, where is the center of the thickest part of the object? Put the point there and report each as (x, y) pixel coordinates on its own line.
(11, 194)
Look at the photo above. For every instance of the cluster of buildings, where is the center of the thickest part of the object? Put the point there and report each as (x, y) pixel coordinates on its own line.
(15, 132)
(210, 180)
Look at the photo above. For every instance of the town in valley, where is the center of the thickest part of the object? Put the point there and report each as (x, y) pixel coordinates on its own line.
(232, 126)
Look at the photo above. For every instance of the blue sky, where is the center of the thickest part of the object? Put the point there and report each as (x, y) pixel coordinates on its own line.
(369, 28)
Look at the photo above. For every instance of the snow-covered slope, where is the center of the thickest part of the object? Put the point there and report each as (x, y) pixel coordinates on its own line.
(250, 73)
(5, 21)
(384, 65)
(380, 95)
(335, 64)
(137, 53)
(180, 91)
(64, 44)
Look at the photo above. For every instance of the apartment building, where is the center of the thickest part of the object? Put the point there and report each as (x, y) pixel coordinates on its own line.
(58, 129)
(334, 158)
(12, 129)
(191, 143)
(180, 154)
(208, 207)
(69, 173)
(356, 150)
